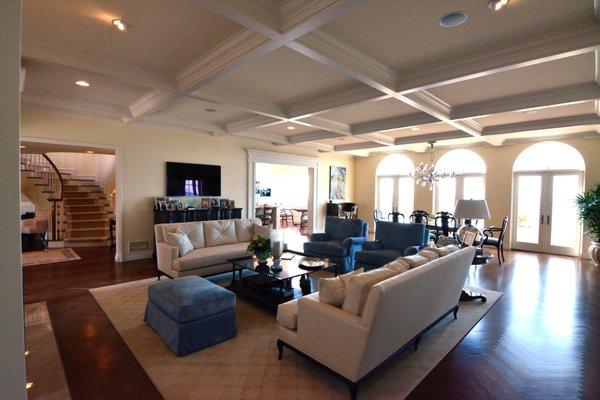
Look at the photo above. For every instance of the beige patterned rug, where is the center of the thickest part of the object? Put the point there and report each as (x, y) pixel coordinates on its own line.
(48, 256)
(246, 367)
(44, 368)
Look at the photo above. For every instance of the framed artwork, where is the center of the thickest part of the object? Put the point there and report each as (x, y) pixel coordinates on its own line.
(337, 183)
(469, 238)
(205, 203)
(231, 203)
(224, 203)
(214, 203)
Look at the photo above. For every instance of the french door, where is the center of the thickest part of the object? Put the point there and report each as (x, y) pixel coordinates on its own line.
(544, 213)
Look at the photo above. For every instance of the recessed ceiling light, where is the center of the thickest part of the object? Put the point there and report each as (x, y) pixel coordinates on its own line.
(497, 5)
(453, 19)
(120, 24)
(82, 83)
(210, 110)
(290, 128)
(89, 151)
(529, 112)
(414, 128)
(21, 146)
(28, 385)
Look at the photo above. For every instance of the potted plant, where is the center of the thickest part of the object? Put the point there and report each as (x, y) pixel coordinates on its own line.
(588, 209)
(261, 247)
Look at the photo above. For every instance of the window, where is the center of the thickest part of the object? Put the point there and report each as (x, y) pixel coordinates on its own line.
(469, 184)
(395, 187)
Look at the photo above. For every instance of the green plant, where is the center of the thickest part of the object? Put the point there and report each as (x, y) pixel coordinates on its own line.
(261, 247)
(588, 209)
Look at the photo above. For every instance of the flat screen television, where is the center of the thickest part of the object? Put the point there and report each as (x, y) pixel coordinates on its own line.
(193, 179)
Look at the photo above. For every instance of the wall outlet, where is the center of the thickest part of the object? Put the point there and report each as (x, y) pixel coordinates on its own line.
(139, 246)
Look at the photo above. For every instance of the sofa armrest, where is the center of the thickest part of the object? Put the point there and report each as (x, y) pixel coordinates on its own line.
(412, 250)
(165, 254)
(319, 237)
(372, 245)
(341, 340)
(353, 241)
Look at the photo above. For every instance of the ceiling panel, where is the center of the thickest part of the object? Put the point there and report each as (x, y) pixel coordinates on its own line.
(60, 81)
(343, 140)
(534, 115)
(564, 72)
(422, 130)
(163, 36)
(369, 111)
(406, 34)
(193, 109)
(281, 77)
(282, 129)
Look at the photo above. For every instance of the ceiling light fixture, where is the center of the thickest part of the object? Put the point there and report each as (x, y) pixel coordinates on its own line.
(530, 112)
(426, 174)
(89, 152)
(22, 147)
(497, 5)
(82, 83)
(120, 24)
(453, 19)
(28, 385)
(290, 128)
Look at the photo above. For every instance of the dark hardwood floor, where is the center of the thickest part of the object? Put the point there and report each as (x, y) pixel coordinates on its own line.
(539, 341)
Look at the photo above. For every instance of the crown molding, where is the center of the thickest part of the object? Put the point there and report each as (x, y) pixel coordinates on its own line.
(550, 123)
(249, 123)
(433, 137)
(313, 136)
(590, 135)
(239, 102)
(77, 106)
(388, 124)
(179, 123)
(253, 15)
(151, 101)
(41, 51)
(357, 146)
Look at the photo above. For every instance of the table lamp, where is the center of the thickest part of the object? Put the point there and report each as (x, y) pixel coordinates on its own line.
(470, 210)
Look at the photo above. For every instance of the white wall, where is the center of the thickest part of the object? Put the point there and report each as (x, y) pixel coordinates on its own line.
(289, 184)
(12, 362)
(100, 166)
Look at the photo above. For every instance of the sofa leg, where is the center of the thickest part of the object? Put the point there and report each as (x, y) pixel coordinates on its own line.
(280, 349)
(455, 311)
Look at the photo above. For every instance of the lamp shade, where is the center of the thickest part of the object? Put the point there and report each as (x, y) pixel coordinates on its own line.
(471, 209)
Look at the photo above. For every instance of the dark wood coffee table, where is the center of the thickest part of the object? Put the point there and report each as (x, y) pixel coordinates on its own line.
(272, 288)
(482, 257)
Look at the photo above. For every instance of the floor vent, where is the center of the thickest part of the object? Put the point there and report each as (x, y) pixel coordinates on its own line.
(139, 246)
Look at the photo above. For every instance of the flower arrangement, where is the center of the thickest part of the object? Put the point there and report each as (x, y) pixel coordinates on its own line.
(261, 247)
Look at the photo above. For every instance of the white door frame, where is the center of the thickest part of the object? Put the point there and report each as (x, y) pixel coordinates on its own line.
(544, 244)
(118, 182)
(271, 157)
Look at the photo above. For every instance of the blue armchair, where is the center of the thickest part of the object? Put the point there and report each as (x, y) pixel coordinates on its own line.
(341, 240)
(392, 240)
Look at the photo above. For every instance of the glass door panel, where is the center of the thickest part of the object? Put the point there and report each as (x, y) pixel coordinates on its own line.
(406, 196)
(562, 221)
(446, 195)
(474, 187)
(385, 196)
(528, 210)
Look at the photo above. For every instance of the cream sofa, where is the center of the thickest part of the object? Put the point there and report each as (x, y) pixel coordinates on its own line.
(398, 311)
(214, 243)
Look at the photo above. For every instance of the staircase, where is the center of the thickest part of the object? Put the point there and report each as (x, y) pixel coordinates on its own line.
(82, 211)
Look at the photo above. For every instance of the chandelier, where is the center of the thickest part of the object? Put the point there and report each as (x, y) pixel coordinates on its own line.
(426, 174)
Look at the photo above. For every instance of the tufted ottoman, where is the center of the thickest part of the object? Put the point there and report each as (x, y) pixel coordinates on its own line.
(190, 313)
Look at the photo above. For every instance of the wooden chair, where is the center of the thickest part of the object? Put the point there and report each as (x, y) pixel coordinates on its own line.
(267, 218)
(496, 241)
(286, 216)
(419, 217)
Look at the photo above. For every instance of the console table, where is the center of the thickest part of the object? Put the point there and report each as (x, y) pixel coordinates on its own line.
(198, 214)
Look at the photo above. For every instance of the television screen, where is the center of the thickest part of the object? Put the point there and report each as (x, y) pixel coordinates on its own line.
(193, 179)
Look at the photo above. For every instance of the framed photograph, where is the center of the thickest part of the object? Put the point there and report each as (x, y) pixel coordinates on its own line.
(205, 203)
(224, 203)
(162, 205)
(171, 207)
(337, 183)
(231, 203)
(469, 238)
(214, 203)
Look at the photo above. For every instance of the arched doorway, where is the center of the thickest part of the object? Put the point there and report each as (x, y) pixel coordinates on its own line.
(547, 177)
(395, 187)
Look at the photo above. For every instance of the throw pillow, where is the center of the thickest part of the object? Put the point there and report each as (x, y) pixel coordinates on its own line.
(414, 260)
(397, 265)
(440, 251)
(332, 291)
(359, 287)
(180, 240)
(430, 255)
(262, 231)
(452, 248)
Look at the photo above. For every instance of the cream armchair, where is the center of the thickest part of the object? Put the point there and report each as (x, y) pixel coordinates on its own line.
(397, 313)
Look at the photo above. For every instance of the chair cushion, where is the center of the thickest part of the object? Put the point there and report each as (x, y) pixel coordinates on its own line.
(378, 257)
(287, 314)
(180, 240)
(393, 235)
(331, 248)
(217, 233)
(190, 298)
(430, 255)
(491, 241)
(398, 265)
(340, 229)
(359, 287)
(208, 256)
(193, 230)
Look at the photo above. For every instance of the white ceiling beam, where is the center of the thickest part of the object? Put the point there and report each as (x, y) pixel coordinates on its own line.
(550, 123)
(313, 136)
(77, 106)
(553, 46)
(250, 123)
(48, 53)
(254, 16)
(357, 146)
(239, 102)
(179, 123)
(295, 14)
(432, 137)
(388, 124)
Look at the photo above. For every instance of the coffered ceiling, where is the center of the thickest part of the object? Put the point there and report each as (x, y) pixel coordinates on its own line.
(333, 75)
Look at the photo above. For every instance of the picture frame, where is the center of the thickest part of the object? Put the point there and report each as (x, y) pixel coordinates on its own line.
(214, 203)
(337, 183)
(205, 202)
(224, 203)
(162, 205)
(469, 238)
(231, 203)
(171, 207)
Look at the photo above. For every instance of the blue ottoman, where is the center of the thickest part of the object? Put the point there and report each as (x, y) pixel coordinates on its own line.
(190, 313)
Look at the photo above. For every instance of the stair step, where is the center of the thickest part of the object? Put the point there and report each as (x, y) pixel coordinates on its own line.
(85, 239)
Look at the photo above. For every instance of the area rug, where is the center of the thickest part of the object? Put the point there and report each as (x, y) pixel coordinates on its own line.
(44, 368)
(49, 256)
(246, 367)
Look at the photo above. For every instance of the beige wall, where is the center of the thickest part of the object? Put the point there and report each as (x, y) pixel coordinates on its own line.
(145, 150)
(289, 184)
(12, 359)
(499, 161)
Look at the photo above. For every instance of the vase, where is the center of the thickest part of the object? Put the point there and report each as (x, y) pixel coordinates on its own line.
(594, 251)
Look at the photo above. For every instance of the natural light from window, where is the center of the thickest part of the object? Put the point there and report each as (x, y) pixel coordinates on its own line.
(395, 187)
